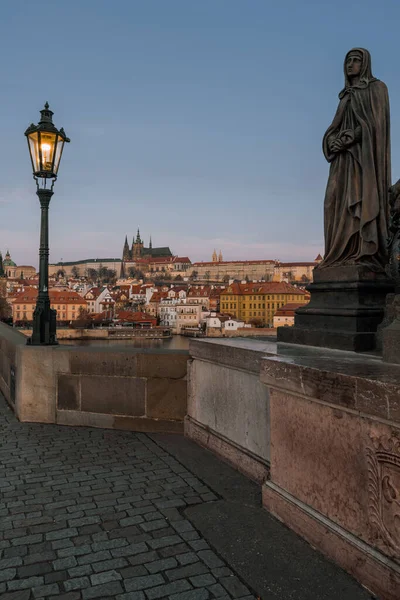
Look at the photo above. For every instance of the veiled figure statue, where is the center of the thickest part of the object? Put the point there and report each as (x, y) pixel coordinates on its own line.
(357, 144)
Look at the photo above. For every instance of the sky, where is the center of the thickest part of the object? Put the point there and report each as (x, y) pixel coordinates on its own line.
(199, 121)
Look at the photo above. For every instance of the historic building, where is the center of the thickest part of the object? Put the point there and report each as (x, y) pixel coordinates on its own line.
(138, 251)
(8, 268)
(81, 268)
(150, 260)
(68, 305)
(257, 300)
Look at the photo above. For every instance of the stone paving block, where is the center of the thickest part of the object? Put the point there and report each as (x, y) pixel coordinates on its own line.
(131, 596)
(202, 580)
(199, 594)
(77, 583)
(161, 565)
(197, 568)
(45, 590)
(217, 590)
(168, 540)
(137, 571)
(7, 574)
(168, 589)
(56, 576)
(102, 591)
(210, 558)
(235, 587)
(23, 595)
(141, 583)
(34, 569)
(23, 584)
(105, 577)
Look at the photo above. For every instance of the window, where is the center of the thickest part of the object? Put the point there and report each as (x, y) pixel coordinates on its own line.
(18, 315)
(18, 307)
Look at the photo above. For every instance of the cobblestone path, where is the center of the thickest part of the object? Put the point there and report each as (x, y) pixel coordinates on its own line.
(88, 513)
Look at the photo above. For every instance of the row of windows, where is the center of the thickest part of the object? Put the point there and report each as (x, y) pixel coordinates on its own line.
(24, 317)
(285, 297)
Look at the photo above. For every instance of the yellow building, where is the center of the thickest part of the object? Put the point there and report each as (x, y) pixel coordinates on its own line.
(66, 303)
(221, 270)
(295, 271)
(247, 301)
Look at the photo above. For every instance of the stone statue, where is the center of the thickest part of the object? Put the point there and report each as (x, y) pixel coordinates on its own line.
(357, 145)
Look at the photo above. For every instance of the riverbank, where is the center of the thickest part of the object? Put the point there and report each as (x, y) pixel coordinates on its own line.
(109, 333)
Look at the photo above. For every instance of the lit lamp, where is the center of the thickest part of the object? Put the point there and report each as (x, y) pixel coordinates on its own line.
(45, 145)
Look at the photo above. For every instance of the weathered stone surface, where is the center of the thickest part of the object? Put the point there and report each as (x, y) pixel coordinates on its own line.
(169, 365)
(113, 395)
(68, 392)
(166, 398)
(230, 402)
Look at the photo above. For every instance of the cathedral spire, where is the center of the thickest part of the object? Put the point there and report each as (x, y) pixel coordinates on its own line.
(125, 252)
(138, 240)
(220, 257)
(150, 244)
(214, 256)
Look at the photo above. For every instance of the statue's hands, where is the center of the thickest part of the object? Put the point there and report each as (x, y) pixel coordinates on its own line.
(336, 145)
(348, 138)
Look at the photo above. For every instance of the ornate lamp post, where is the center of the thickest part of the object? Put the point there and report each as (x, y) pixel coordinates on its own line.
(45, 145)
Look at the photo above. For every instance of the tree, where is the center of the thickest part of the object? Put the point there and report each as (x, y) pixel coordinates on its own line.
(92, 275)
(247, 279)
(178, 278)
(226, 278)
(60, 274)
(83, 321)
(256, 322)
(194, 274)
(135, 273)
(5, 309)
(305, 279)
(207, 275)
(75, 272)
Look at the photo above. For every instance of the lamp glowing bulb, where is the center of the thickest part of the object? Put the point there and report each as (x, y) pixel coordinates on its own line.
(45, 154)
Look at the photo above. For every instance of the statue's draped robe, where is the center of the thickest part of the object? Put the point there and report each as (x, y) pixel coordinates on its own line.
(356, 201)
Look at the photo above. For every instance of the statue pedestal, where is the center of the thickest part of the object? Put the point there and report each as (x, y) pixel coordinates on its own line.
(347, 304)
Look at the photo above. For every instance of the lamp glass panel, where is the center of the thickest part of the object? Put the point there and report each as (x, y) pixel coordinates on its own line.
(33, 142)
(58, 153)
(47, 149)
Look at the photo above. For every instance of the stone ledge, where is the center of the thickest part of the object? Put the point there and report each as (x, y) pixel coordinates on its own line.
(359, 383)
(120, 422)
(241, 459)
(245, 355)
(373, 569)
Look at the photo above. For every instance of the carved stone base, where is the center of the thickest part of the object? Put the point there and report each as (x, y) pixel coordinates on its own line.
(346, 306)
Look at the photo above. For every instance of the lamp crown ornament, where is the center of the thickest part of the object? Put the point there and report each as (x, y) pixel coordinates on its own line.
(45, 144)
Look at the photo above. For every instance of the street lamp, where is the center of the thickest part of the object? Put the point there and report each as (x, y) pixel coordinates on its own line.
(45, 145)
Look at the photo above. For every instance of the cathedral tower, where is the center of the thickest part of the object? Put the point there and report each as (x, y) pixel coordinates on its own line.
(220, 257)
(214, 256)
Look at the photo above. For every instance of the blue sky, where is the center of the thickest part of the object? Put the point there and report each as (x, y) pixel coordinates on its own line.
(198, 120)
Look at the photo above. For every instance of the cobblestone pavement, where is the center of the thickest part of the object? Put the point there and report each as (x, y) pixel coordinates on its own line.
(87, 513)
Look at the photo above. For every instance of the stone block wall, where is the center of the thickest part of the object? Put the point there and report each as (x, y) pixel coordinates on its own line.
(335, 459)
(10, 340)
(228, 407)
(121, 388)
(142, 391)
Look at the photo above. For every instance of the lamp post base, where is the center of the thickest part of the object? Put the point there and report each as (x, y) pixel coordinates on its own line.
(44, 326)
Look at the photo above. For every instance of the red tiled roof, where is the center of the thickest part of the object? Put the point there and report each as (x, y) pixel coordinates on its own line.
(135, 317)
(233, 262)
(29, 296)
(267, 287)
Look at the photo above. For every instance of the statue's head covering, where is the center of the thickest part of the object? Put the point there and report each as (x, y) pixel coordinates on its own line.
(365, 72)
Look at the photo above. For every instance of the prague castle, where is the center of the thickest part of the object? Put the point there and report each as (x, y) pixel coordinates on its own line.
(138, 251)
